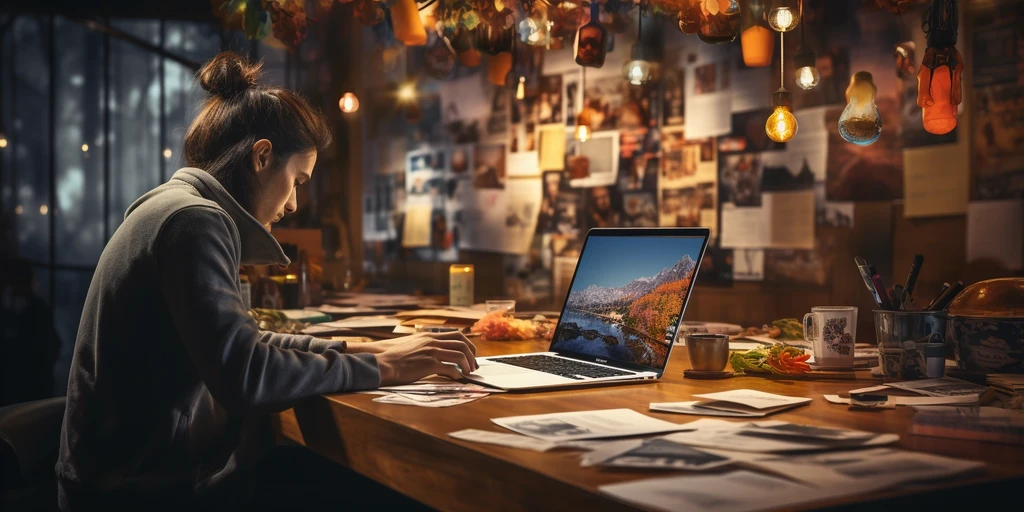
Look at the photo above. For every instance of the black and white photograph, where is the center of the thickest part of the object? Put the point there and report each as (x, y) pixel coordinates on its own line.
(639, 209)
(673, 103)
(489, 166)
(638, 159)
(599, 164)
(835, 214)
(740, 179)
(549, 101)
(664, 454)
(548, 427)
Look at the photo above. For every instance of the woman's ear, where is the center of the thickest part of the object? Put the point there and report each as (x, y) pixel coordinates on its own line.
(262, 155)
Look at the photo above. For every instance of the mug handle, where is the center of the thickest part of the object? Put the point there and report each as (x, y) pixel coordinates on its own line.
(809, 327)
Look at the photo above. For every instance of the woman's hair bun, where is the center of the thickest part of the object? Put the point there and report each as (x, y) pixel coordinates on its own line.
(228, 75)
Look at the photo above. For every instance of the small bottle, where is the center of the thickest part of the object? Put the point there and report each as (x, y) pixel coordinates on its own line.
(860, 123)
(303, 293)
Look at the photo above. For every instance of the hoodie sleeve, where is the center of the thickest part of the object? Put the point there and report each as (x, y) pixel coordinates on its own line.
(302, 342)
(197, 257)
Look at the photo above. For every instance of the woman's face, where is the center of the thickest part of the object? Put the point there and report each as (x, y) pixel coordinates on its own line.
(278, 181)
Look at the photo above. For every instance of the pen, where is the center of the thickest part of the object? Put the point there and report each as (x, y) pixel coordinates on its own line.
(898, 294)
(915, 270)
(931, 305)
(948, 296)
(880, 290)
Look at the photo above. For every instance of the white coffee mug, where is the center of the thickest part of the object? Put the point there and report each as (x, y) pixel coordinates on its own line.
(832, 332)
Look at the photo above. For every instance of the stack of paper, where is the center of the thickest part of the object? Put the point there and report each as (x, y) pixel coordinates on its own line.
(774, 437)
(978, 423)
(1009, 383)
(943, 391)
(740, 403)
(447, 317)
(432, 392)
(571, 426)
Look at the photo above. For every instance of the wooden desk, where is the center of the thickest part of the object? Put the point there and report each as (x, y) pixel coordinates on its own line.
(407, 448)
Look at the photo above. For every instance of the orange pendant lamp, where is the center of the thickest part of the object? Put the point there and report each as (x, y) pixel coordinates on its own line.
(405, 19)
(757, 41)
(498, 67)
(939, 79)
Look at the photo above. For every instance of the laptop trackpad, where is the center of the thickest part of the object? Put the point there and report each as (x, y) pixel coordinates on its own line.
(508, 376)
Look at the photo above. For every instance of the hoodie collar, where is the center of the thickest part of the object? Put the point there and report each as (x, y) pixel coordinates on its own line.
(259, 247)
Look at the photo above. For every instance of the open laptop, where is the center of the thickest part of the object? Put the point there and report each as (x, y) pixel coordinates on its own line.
(620, 317)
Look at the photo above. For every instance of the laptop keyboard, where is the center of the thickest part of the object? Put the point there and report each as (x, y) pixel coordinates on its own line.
(564, 367)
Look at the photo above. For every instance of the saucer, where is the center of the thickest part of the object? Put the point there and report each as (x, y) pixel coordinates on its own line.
(706, 374)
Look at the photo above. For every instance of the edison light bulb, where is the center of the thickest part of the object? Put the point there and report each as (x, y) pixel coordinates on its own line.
(407, 92)
(582, 132)
(781, 125)
(3, 141)
(807, 77)
(348, 103)
(860, 123)
(521, 88)
(637, 72)
(784, 15)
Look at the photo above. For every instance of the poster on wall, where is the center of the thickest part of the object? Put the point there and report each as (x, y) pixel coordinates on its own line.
(559, 206)
(526, 277)
(432, 203)
(615, 104)
(673, 97)
(639, 151)
(862, 173)
(595, 162)
(708, 91)
(549, 102)
(748, 265)
(800, 267)
(639, 210)
(501, 219)
(466, 108)
(602, 208)
(741, 179)
(489, 166)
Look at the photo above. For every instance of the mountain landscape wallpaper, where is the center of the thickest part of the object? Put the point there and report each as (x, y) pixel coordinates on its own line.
(627, 298)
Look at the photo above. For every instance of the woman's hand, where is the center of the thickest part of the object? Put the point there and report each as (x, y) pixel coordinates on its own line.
(408, 359)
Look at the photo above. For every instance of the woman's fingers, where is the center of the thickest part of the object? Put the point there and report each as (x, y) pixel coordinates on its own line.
(455, 357)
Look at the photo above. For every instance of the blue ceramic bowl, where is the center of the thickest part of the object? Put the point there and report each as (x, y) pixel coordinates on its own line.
(987, 345)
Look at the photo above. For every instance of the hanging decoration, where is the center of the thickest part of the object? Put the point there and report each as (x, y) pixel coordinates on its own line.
(535, 28)
(939, 79)
(781, 125)
(807, 75)
(405, 18)
(494, 34)
(861, 123)
(638, 70)
(567, 17)
(719, 21)
(288, 18)
(591, 41)
(756, 39)
(688, 18)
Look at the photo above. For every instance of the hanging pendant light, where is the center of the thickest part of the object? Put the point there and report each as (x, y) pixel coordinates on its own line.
(405, 17)
(807, 76)
(784, 15)
(582, 131)
(757, 41)
(348, 103)
(638, 70)
(861, 123)
(719, 21)
(521, 88)
(781, 125)
(498, 67)
(939, 79)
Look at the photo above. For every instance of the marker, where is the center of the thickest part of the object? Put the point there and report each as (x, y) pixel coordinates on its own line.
(865, 274)
(948, 296)
(915, 270)
(880, 290)
(898, 294)
(931, 305)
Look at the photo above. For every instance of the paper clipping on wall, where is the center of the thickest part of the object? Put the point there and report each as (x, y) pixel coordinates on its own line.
(552, 147)
(523, 164)
(593, 163)
(994, 232)
(748, 265)
(785, 220)
(572, 426)
(501, 220)
(709, 92)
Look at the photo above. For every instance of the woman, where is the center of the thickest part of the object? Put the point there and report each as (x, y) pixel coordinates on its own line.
(172, 383)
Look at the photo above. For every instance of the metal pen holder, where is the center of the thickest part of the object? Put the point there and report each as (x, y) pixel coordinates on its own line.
(903, 339)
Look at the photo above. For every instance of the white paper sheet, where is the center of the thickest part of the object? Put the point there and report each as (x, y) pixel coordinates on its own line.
(994, 232)
(363, 322)
(465, 99)
(736, 491)
(570, 426)
(945, 386)
(708, 92)
(754, 399)
(912, 400)
(501, 220)
(657, 453)
(552, 147)
(602, 152)
(785, 220)
(745, 228)
(439, 400)
(724, 435)
(748, 265)
(688, 408)
(752, 89)
(501, 439)
(523, 164)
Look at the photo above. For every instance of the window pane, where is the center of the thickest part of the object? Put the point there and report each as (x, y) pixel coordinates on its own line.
(146, 30)
(79, 144)
(135, 151)
(194, 41)
(73, 286)
(183, 97)
(30, 136)
(7, 151)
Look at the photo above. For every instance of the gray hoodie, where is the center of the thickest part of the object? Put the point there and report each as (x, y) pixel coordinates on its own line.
(172, 382)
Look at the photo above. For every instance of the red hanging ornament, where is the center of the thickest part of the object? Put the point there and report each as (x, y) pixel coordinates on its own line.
(939, 79)
(289, 20)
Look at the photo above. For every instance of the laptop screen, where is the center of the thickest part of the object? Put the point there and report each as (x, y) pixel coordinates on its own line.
(627, 298)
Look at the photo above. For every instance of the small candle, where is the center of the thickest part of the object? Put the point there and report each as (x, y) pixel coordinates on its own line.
(460, 285)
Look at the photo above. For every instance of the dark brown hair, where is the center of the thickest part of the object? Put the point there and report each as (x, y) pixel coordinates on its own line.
(239, 112)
